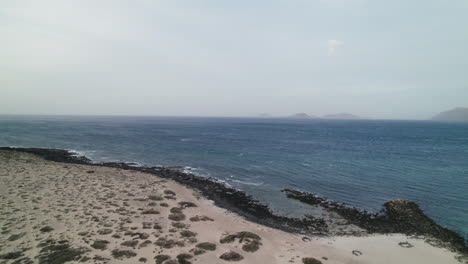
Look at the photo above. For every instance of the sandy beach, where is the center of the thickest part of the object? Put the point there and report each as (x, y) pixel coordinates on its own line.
(54, 212)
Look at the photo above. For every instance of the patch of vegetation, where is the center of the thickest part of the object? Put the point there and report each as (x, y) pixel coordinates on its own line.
(231, 256)
(177, 217)
(176, 210)
(200, 218)
(155, 198)
(143, 260)
(150, 211)
(83, 233)
(46, 229)
(145, 243)
(206, 246)
(58, 252)
(243, 235)
(121, 254)
(311, 261)
(24, 260)
(130, 243)
(252, 240)
(179, 225)
(198, 251)
(228, 239)
(252, 246)
(11, 255)
(187, 233)
(165, 243)
(183, 258)
(16, 237)
(164, 204)
(105, 231)
(100, 244)
(161, 258)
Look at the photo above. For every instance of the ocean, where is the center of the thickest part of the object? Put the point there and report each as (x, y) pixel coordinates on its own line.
(362, 163)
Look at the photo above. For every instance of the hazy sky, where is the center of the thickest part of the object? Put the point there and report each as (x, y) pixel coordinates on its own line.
(374, 58)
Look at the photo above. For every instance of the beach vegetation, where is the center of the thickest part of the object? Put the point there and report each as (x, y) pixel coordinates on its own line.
(100, 244)
(206, 246)
(187, 233)
(311, 261)
(58, 252)
(121, 254)
(252, 246)
(161, 258)
(231, 256)
(183, 258)
(177, 217)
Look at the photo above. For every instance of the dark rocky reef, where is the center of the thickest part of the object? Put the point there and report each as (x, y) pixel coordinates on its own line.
(397, 216)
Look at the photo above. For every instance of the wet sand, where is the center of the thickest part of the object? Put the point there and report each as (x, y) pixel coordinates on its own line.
(55, 212)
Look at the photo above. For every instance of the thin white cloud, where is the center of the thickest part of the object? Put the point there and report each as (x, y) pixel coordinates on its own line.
(333, 46)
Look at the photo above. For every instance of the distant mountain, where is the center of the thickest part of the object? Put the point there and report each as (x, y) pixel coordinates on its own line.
(457, 114)
(341, 116)
(303, 116)
(265, 115)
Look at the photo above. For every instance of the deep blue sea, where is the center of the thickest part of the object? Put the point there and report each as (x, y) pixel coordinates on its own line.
(360, 162)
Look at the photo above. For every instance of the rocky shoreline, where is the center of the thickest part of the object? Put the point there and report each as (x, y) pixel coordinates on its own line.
(399, 216)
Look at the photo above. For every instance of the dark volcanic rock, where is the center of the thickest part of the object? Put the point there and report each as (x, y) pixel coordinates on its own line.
(398, 216)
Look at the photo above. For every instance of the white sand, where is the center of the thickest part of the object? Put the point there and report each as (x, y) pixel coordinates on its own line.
(36, 193)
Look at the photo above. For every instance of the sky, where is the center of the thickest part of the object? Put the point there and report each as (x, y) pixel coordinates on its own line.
(377, 59)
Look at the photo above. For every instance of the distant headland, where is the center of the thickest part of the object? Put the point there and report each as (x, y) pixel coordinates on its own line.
(458, 114)
(332, 116)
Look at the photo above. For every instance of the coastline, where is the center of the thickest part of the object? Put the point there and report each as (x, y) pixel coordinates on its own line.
(240, 203)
